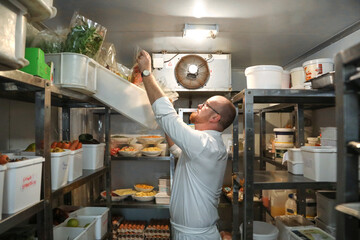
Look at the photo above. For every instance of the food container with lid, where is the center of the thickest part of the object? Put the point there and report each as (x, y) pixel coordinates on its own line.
(297, 78)
(317, 67)
(284, 137)
(264, 77)
(285, 81)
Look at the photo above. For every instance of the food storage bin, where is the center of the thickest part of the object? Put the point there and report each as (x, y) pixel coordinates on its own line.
(286, 223)
(328, 142)
(2, 177)
(93, 156)
(59, 169)
(99, 213)
(284, 137)
(296, 168)
(325, 207)
(263, 231)
(309, 233)
(162, 198)
(319, 163)
(37, 65)
(75, 164)
(22, 183)
(297, 78)
(89, 222)
(134, 102)
(329, 229)
(13, 36)
(39, 10)
(264, 77)
(328, 132)
(74, 71)
(317, 67)
(67, 233)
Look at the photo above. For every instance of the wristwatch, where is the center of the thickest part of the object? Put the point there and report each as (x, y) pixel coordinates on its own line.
(145, 73)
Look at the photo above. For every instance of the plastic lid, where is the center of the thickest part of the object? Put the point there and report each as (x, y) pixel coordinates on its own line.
(317, 61)
(283, 130)
(296, 69)
(327, 149)
(251, 69)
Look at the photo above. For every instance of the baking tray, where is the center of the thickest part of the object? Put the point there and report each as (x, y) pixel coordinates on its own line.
(324, 81)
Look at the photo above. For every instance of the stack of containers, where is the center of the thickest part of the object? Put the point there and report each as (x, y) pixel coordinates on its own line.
(163, 196)
(284, 139)
(295, 162)
(326, 214)
(75, 164)
(319, 163)
(328, 136)
(93, 156)
(22, 183)
(2, 176)
(59, 168)
(101, 218)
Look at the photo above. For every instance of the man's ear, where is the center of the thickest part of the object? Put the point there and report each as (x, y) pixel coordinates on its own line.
(215, 118)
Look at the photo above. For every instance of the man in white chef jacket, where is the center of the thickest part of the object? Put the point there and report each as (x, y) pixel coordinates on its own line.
(202, 158)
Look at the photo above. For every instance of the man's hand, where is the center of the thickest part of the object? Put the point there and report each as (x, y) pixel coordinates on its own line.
(144, 61)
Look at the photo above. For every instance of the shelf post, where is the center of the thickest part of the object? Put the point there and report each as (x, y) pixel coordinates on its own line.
(300, 125)
(262, 139)
(66, 137)
(107, 159)
(235, 169)
(42, 140)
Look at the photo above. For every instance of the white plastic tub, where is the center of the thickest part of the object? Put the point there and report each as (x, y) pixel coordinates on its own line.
(325, 207)
(328, 142)
(309, 233)
(99, 213)
(22, 183)
(13, 36)
(124, 97)
(286, 223)
(83, 221)
(59, 169)
(284, 136)
(297, 78)
(69, 233)
(285, 81)
(319, 163)
(75, 164)
(2, 177)
(296, 168)
(317, 67)
(264, 77)
(74, 71)
(329, 229)
(328, 132)
(162, 198)
(39, 10)
(93, 156)
(263, 231)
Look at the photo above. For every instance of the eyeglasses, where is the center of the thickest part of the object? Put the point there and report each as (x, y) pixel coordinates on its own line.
(205, 103)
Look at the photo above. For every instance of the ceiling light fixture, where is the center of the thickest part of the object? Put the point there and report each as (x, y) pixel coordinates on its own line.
(199, 31)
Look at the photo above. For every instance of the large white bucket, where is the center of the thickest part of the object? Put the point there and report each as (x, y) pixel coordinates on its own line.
(297, 78)
(317, 67)
(264, 77)
(263, 231)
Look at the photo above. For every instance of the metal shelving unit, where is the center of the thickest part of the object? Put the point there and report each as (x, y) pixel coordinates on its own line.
(21, 86)
(289, 99)
(347, 86)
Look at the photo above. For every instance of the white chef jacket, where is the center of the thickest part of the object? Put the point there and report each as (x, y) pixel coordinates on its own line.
(198, 176)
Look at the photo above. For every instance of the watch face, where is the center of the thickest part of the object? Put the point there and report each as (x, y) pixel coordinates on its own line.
(145, 73)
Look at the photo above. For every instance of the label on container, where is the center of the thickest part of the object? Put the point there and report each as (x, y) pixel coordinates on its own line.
(313, 71)
(28, 181)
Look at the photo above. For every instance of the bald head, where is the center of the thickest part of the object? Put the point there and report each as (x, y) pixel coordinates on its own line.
(226, 109)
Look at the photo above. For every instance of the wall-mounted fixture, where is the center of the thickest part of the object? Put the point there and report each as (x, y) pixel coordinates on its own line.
(199, 31)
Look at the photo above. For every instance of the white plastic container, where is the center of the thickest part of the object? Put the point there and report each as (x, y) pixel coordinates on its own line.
(75, 164)
(90, 228)
(309, 233)
(2, 177)
(284, 137)
(67, 233)
(297, 78)
(99, 213)
(317, 67)
(329, 229)
(325, 207)
(312, 141)
(22, 183)
(319, 163)
(263, 231)
(93, 156)
(39, 10)
(328, 132)
(295, 155)
(13, 36)
(133, 103)
(74, 71)
(285, 81)
(264, 77)
(59, 169)
(296, 168)
(286, 223)
(162, 198)
(328, 142)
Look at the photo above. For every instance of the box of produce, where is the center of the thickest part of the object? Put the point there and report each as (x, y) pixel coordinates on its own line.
(37, 65)
(22, 182)
(87, 223)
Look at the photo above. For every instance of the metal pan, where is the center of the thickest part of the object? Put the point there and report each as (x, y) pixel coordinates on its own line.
(324, 81)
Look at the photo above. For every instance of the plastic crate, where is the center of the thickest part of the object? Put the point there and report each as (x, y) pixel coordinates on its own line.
(329, 229)
(59, 169)
(74, 71)
(2, 177)
(83, 221)
(309, 233)
(99, 213)
(13, 35)
(286, 223)
(37, 65)
(319, 163)
(75, 164)
(22, 183)
(93, 156)
(325, 207)
(67, 233)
